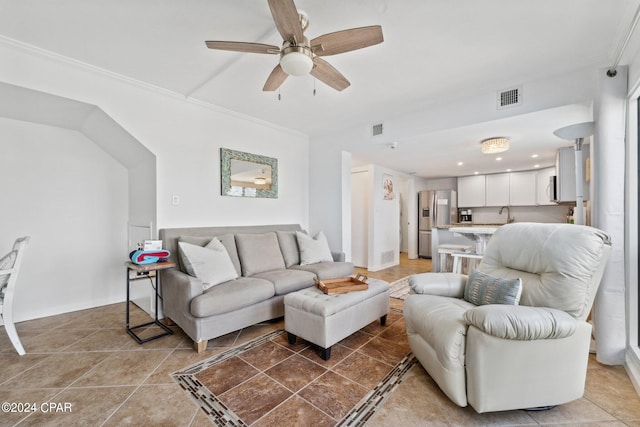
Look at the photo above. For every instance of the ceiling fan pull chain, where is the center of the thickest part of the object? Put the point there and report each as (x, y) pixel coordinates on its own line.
(314, 86)
(279, 96)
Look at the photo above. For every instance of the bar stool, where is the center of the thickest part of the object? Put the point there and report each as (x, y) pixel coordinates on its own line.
(445, 253)
(472, 258)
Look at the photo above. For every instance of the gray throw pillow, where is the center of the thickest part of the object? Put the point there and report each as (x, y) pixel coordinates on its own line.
(211, 264)
(483, 289)
(313, 250)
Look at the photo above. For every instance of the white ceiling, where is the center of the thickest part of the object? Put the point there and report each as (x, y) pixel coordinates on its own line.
(433, 50)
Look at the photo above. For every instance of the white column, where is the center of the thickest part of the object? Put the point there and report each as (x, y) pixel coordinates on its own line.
(608, 183)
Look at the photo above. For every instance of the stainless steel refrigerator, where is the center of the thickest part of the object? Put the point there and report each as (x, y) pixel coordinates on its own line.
(437, 208)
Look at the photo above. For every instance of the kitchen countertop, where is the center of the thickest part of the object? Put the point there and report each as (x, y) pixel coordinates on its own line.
(472, 224)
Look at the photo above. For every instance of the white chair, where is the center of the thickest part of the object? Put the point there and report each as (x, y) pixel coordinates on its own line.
(444, 253)
(9, 268)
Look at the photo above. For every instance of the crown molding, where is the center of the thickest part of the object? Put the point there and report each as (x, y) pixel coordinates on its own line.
(65, 60)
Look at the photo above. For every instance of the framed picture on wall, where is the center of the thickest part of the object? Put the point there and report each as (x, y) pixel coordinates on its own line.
(387, 187)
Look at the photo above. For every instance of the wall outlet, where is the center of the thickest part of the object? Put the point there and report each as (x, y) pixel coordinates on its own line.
(175, 200)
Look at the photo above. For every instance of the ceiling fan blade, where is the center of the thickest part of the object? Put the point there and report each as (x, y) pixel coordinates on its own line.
(325, 72)
(347, 40)
(287, 20)
(244, 47)
(275, 79)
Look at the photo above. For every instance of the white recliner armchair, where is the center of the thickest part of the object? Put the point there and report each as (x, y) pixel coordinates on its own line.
(498, 357)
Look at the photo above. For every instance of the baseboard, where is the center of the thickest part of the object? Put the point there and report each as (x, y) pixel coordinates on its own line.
(632, 366)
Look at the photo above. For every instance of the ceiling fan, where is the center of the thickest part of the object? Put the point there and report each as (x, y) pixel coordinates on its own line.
(298, 55)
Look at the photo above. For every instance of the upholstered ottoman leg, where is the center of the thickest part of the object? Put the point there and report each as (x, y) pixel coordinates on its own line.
(383, 320)
(291, 338)
(325, 353)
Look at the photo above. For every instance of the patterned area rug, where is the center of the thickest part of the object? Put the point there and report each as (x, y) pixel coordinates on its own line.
(400, 288)
(267, 381)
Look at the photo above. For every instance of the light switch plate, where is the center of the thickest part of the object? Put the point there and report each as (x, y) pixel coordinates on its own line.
(175, 200)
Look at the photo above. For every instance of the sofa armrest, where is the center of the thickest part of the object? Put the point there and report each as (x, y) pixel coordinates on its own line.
(338, 256)
(178, 289)
(519, 322)
(441, 284)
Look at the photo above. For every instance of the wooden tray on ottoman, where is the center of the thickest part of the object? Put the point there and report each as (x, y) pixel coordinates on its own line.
(342, 285)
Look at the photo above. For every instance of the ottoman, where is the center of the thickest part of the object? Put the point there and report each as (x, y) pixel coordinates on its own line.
(326, 319)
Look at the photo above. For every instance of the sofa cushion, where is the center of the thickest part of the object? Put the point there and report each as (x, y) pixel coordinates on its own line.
(228, 240)
(313, 249)
(484, 289)
(327, 270)
(289, 247)
(211, 264)
(259, 253)
(285, 281)
(230, 296)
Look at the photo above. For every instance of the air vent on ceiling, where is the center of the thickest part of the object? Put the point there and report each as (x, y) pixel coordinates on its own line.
(509, 97)
(376, 129)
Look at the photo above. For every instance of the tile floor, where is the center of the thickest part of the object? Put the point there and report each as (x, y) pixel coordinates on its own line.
(86, 359)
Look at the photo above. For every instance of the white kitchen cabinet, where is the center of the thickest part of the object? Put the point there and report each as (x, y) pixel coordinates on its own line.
(471, 191)
(497, 189)
(543, 186)
(522, 188)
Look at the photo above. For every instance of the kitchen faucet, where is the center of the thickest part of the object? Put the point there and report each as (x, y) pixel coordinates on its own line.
(509, 219)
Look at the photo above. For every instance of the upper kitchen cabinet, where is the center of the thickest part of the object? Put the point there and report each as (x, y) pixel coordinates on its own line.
(522, 188)
(497, 189)
(543, 186)
(471, 191)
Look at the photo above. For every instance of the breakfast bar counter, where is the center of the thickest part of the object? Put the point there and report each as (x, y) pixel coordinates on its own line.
(479, 234)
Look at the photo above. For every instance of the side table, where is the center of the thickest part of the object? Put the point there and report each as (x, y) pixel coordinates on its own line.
(143, 271)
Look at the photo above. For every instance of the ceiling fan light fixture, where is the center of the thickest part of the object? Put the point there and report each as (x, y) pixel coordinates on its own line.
(495, 145)
(260, 181)
(296, 60)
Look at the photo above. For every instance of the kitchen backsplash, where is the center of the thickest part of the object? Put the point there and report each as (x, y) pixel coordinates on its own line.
(521, 214)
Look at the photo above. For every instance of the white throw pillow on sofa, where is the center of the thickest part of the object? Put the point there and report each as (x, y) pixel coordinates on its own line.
(313, 249)
(211, 264)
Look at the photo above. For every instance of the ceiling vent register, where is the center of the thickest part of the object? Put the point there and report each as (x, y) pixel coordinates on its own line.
(376, 130)
(509, 98)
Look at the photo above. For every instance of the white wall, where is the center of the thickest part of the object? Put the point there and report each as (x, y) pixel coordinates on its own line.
(376, 225)
(71, 198)
(185, 136)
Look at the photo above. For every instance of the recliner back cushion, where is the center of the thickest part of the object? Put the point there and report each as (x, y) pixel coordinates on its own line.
(559, 264)
(259, 253)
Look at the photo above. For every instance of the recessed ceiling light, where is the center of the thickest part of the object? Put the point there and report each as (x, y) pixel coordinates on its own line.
(534, 155)
(476, 173)
(536, 166)
(498, 158)
(508, 170)
(460, 163)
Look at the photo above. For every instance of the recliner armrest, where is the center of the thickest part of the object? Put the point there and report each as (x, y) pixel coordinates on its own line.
(519, 322)
(441, 284)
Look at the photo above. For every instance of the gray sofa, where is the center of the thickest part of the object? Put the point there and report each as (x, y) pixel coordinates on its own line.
(267, 261)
